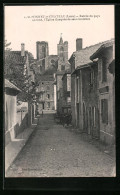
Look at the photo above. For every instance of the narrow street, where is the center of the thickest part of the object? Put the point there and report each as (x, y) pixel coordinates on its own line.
(55, 151)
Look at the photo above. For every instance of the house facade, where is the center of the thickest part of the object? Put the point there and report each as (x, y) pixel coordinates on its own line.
(10, 98)
(106, 90)
(45, 93)
(89, 94)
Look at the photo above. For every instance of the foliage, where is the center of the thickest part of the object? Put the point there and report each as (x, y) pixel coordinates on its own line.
(16, 71)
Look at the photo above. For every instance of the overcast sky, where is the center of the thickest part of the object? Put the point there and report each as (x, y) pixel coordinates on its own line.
(19, 29)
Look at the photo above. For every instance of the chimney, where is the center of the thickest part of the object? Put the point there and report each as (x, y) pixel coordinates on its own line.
(22, 49)
(78, 44)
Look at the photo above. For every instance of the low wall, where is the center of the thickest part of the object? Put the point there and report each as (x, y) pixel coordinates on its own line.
(22, 122)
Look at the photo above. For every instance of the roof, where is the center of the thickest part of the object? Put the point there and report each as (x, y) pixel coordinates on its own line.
(101, 48)
(66, 72)
(15, 57)
(83, 55)
(83, 66)
(52, 55)
(60, 72)
(10, 85)
(45, 78)
(61, 40)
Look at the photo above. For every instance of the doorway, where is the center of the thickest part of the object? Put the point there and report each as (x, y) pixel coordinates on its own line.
(77, 114)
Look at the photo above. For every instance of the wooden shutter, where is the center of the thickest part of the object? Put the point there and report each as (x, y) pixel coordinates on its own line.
(99, 69)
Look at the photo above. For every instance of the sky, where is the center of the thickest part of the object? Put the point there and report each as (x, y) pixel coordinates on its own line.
(21, 29)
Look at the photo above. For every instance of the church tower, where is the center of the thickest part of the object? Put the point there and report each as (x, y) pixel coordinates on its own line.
(42, 49)
(62, 52)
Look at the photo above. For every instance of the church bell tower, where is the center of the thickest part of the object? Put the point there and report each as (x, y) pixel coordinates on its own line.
(62, 52)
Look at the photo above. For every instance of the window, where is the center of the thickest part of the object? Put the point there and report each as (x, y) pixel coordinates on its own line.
(104, 70)
(48, 96)
(48, 104)
(104, 111)
(62, 67)
(68, 99)
(41, 96)
(52, 61)
(43, 51)
(61, 49)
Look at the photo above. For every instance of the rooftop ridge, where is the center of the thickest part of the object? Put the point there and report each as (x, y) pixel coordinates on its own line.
(103, 42)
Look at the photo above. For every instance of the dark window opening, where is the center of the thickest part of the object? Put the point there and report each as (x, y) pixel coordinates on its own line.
(48, 96)
(62, 67)
(43, 62)
(104, 70)
(104, 110)
(61, 49)
(43, 51)
(48, 104)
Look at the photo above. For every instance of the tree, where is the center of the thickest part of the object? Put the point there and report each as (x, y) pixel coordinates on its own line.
(16, 71)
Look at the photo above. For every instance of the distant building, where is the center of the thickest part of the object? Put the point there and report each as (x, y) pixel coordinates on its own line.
(52, 65)
(42, 50)
(62, 51)
(45, 93)
(51, 61)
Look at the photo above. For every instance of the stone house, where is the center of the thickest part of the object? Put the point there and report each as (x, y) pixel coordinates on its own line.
(45, 93)
(106, 91)
(10, 103)
(84, 89)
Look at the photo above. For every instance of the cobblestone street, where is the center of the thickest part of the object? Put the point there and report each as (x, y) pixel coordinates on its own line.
(55, 151)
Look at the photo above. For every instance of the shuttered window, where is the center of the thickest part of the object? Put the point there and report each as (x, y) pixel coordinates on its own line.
(77, 88)
(104, 110)
(104, 70)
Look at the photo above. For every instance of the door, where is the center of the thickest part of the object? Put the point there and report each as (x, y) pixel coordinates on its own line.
(89, 121)
(77, 114)
(84, 123)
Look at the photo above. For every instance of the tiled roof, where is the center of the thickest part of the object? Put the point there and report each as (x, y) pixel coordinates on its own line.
(102, 47)
(15, 57)
(8, 84)
(83, 56)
